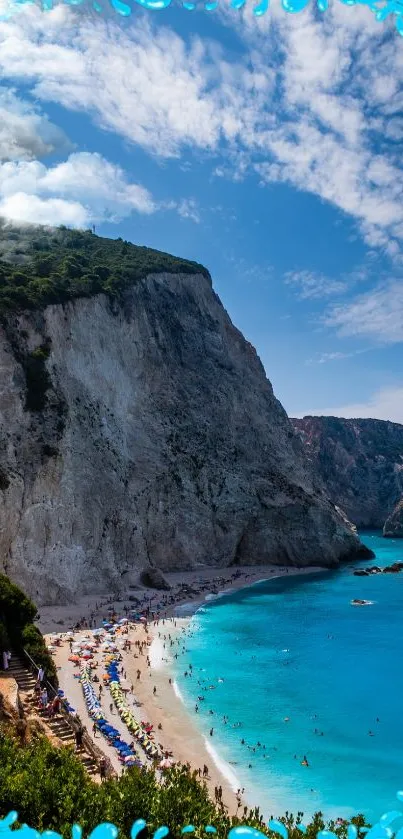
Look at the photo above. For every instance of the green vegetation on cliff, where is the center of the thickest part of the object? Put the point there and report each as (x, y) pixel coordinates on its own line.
(17, 628)
(40, 266)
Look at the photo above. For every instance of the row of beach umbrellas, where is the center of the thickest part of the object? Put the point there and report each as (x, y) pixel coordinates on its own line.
(126, 753)
(125, 713)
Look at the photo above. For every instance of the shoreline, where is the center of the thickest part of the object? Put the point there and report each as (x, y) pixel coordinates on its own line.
(60, 618)
(156, 694)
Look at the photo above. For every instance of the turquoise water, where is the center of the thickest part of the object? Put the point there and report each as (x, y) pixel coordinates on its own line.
(295, 647)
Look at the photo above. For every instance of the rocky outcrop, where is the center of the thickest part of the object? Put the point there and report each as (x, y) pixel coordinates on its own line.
(360, 462)
(142, 432)
(154, 578)
(393, 527)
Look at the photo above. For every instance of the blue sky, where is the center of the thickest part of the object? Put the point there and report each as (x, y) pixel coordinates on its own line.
(270, 150)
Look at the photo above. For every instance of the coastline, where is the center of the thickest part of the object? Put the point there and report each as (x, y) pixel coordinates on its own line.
(175, 726)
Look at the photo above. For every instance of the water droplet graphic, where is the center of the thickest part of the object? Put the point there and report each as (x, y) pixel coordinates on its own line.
(106, 830)
(121, 8)
(278, 827)
(294, 6)
(137, 827)
(188, 829)
(244, 832)
(161, 832)
(261, 8)
(8, 820)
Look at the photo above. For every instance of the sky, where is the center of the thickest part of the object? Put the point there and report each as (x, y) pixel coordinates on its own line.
(267, 148)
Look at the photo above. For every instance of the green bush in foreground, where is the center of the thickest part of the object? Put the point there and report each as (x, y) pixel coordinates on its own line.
(49, 789)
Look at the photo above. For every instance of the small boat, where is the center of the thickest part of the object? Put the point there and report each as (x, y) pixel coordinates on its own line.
(357, 602)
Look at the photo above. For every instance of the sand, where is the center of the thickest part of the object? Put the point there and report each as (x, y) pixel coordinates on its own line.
(179, 733)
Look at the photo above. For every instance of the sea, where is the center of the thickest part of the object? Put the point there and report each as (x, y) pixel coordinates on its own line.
(289, 670)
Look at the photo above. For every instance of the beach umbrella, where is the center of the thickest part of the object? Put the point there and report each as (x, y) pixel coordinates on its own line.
(74, 658)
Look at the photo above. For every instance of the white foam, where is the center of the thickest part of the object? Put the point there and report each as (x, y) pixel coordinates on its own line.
(223, 767)
(156, 654)
(177, 692)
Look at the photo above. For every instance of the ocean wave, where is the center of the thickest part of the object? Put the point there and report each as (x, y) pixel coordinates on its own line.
(177, 692)
(222, 766)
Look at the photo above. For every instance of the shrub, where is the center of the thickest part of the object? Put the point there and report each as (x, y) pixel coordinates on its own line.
(17, 613)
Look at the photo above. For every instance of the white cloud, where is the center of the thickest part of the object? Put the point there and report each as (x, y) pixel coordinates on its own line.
(142, 83)
(377, 314)
(80, 190)
(384, 404)
(312, 285)
(25, 133)
(187, 208)
(22, 207)
(323, 358)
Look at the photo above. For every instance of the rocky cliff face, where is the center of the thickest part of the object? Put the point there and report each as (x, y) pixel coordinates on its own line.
(144, 433)
(394, 523)
(360, 462)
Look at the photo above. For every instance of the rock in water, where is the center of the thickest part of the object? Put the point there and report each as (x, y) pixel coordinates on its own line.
(154, 578)
(394, 523)
(140, 429)
(360, 462)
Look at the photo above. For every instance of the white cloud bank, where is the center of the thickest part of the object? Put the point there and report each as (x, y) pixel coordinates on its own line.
(26, 133)
(384, 404)
(83, 189)
(377, 314)
(312, 103)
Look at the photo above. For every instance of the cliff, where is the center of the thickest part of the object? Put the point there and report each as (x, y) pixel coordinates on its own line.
(138, 429)
(393, 526)
(360, 462)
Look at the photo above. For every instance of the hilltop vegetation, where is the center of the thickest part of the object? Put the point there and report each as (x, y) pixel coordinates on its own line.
(39, 266)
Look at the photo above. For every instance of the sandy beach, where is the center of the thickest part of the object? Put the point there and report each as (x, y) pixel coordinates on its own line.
(151, 691)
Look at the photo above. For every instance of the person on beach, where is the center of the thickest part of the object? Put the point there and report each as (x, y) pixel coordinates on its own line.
(79, 738)
(102, 769)
(211, 732)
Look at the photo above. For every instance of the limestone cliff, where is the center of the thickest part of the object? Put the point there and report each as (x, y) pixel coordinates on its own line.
(393, 526)
(141, 431)
(360, 462)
